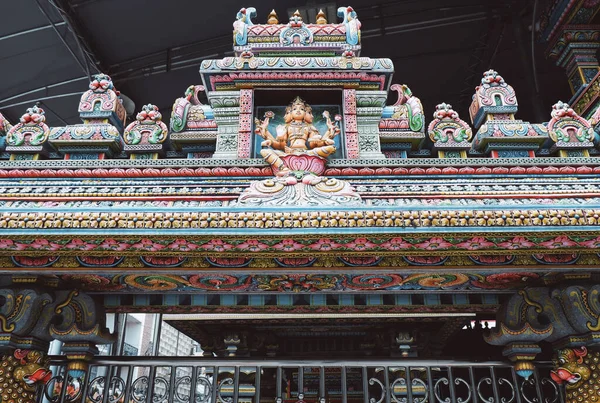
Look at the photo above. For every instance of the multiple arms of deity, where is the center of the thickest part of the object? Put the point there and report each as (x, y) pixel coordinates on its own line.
(315, 140)
(279, 142)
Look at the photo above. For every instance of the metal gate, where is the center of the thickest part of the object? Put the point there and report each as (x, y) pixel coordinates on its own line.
(194, 380)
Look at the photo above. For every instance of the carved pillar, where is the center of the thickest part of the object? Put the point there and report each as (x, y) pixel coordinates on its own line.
(78, 355)
(232, 343)
(24, 319)
(574, 49)
(81, 329)
(29, 320)
(568, 317)
(226, 107)
(369, 107)
(350, 124)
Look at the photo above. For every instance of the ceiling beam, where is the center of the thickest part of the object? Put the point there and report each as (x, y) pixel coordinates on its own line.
(30, 31)
(82, 63)
(44, 88)
(80, 34)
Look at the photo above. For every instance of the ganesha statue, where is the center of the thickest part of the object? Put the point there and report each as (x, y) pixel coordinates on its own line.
(579, 370)
(297, 153)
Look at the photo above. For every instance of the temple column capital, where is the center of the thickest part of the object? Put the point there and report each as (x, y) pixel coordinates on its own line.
(574, 47)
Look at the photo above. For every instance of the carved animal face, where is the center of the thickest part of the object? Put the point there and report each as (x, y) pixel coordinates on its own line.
(32, 369)
(571, 367)
(101, 83)
(39, 375)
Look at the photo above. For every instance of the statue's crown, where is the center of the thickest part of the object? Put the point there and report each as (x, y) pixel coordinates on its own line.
(298, 101)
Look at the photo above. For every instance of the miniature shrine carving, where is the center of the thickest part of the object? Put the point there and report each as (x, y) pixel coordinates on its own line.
(296, 137)
(297, 154)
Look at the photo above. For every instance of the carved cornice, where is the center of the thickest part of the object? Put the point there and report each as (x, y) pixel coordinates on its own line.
(279, 241)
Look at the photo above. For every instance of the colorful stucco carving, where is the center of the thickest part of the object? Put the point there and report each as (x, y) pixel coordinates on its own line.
(287, 172)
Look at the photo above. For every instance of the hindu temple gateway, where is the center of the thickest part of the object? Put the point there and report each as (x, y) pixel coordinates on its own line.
(319, 242)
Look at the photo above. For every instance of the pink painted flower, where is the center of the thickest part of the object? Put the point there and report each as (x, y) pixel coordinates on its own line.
(253, 245)
(182, 245)
(19, 246)
(79, 244)
(360, 244)
(112, 244)
(217, 245)
(288, 245)
(592, 243)
(44, 244)
(434, 244)
(561, 241)
(324, 244)
(6, 244)
(396, 244)
(148, 245)
(517, 242)
(475, 243)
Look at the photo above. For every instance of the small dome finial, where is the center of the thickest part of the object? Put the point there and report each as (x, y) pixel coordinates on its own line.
(321, 18)
(273, 19)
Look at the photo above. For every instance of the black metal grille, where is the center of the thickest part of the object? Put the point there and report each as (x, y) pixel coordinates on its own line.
(194, 380)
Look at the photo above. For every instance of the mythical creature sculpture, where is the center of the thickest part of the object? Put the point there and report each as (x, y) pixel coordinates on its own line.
(579, 369)
(27, 137)
(595, 120)
(241, 24)
(156, 131)
(569, 131)
(408, 108)
(448, 132)
(145, 136)
(193, 126)
(352, 24)
(102, 101)
(297, 136)
(30, 131)
(20, 373)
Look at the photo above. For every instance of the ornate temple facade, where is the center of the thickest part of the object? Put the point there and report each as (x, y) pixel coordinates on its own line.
(319, 242)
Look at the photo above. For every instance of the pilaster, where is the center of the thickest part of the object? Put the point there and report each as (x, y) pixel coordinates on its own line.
(226, 108)
(244, 141)
(369, 108)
